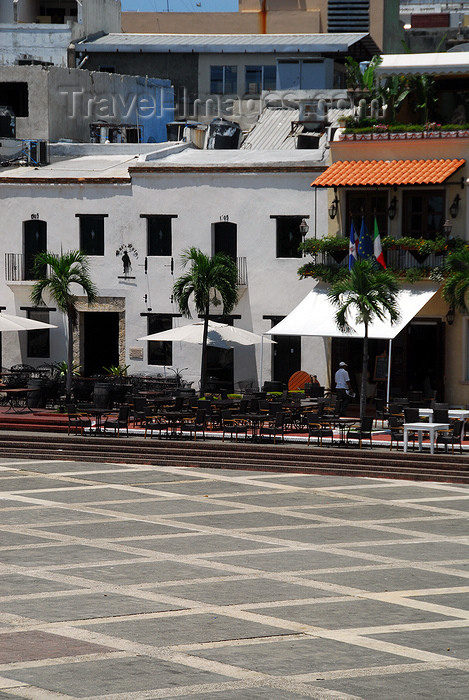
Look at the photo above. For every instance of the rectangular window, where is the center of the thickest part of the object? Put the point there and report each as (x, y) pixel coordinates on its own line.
(368, 205)
(223, 80)
(160, 352)
(423, 213)
(92, 233)
(159, 235)
(260, 78)
(38, 342)
(288, 236)
(15, 96)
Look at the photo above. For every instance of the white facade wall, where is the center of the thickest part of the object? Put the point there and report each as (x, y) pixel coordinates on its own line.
(198, 200)
(38, 42)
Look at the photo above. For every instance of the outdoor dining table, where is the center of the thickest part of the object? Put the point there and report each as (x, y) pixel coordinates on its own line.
(98, 414)
(255, 421)
(341, 424)
(420, 429)
(457, 413)
(15, 397)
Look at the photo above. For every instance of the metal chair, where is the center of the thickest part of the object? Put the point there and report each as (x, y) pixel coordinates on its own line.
(153, 422)
(452, 437)
(77, 420)
(121, 421)
(362, 432)
(275, 427)
(397, 432)
(233, 426)
(411, 415)
(318, 429)
(196, 425)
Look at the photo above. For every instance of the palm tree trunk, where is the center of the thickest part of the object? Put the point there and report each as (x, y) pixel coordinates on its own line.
(203, 367)
(364, 374)
(68, 383)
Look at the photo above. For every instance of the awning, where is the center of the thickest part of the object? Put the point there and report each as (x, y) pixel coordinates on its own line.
(456, 63)
(356, 173)
(315, 315)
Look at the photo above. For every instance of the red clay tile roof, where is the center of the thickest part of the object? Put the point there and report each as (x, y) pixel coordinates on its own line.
(350, 173)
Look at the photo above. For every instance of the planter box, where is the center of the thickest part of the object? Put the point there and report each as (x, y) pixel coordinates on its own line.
(432, 134)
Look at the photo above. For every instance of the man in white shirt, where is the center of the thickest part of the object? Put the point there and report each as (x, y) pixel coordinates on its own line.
(343, 386)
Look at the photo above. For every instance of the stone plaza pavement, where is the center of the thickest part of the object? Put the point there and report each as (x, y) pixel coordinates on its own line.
(136, 582)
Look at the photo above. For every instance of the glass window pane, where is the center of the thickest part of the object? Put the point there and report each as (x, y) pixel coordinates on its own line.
(38, 342)
(253, 79)
(160, 352)
(270, 78)
(92, 235)
(159, 235)
(231, 80)
(216, 80)
(288, 237)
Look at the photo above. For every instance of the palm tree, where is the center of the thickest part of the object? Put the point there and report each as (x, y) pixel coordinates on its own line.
(206, 276)
(56, 274)
(370, 293)
(456, 286)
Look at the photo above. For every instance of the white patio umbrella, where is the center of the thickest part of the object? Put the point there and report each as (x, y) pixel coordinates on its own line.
(18, 323)
(220, 335)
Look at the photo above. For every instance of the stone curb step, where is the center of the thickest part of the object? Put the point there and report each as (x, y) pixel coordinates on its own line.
(282, 458)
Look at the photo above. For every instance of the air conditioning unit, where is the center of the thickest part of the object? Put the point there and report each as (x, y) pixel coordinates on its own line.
(36, 152)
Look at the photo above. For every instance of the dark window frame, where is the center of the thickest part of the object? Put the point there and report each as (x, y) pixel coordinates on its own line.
(262, 78)
(219, 85)
(159, 352)
(368, 203)
(98, 249)
(163, 247)
(38, 341)
(411, 216)
(290, 250)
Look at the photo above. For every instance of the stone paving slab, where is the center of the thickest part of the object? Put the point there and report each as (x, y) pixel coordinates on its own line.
(134, 583)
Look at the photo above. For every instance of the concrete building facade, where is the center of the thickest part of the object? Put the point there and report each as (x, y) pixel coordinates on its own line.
(380, 18)
(55, 103)
(32, 32)
(248, 203)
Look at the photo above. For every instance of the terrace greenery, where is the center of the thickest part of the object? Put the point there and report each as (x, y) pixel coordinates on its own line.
(331, 273)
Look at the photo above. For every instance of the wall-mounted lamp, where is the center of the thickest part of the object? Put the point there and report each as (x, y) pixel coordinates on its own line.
(450, 316)
(334, 208)
(447, 228)
(392, 209)
(304, 228)
(454, 208)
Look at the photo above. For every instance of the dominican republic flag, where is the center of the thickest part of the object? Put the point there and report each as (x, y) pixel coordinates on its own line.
(353, 247)
(377, 250)
(365, 244)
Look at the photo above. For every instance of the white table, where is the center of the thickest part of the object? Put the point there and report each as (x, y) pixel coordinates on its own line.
(459, 413)
(420, 428)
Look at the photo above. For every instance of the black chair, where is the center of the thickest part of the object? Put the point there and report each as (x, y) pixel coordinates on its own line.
(233, 426)
(139, 404)
(77, 420)
(411, 415)
(361, 432)
(197, 425)
(120, 421)
(396, 410)
(440, 415)
(153, 422)
(380, 410)
(452, 437)
(318, 429)
(274, 428)
(397, 432)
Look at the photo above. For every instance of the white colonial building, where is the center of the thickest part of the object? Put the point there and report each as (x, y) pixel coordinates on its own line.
(153, 206)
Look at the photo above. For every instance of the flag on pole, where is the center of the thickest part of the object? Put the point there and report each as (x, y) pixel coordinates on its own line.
(353, 247)
(377, 250)
(365, 244)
